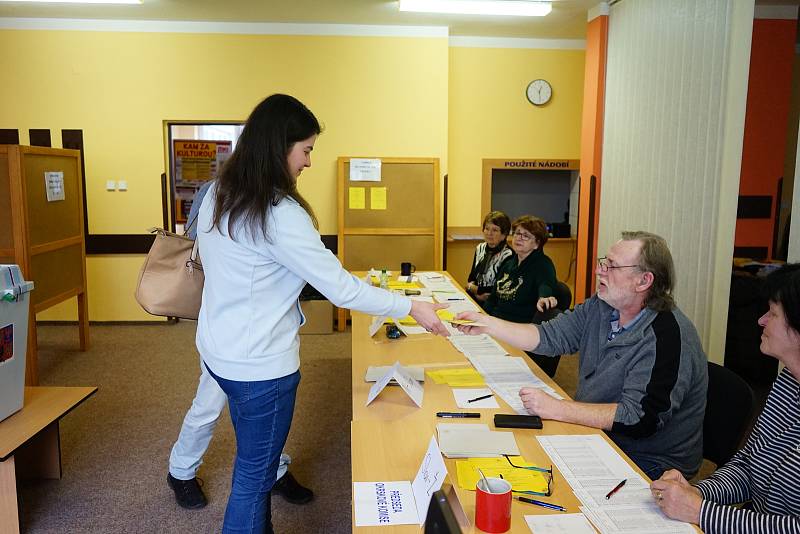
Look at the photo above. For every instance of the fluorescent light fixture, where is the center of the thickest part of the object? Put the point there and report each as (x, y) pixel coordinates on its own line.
(75, 1)
(519, 8)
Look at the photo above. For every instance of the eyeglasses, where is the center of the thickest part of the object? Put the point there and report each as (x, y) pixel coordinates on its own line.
(605, 265)
(522, 236)
(549, 477)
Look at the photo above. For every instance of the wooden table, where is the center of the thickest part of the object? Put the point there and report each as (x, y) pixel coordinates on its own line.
(390, 436)
(31, 436)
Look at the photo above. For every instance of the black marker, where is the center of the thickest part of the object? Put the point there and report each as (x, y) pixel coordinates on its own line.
(458, 415)
(480, 398)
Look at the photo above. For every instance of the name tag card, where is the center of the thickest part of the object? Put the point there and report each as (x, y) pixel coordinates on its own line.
(412, 388)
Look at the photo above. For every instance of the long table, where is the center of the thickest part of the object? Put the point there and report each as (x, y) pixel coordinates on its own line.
(31, 435)
(390, 436)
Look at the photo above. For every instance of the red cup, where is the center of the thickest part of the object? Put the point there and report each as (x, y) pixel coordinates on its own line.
(493, 505)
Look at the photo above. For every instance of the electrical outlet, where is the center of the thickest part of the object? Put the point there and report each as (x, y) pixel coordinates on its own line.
(122, 185)
(111, 185)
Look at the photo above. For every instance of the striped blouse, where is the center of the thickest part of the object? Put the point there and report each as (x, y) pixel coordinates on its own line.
(766, 471)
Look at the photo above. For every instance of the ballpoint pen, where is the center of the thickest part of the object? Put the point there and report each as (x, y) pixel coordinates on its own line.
(542, 504)
(480, 398)
(616, 489)
(457, 415)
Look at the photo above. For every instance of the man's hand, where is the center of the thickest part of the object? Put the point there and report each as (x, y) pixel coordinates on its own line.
(537, 402)
(676, 497)
(472, 316)
(545, 303)
(425, 315)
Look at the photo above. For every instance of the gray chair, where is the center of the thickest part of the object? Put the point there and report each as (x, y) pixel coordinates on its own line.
(563, 295)
(729, 408)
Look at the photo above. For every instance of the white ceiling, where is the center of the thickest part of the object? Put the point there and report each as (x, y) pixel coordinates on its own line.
(566, 21)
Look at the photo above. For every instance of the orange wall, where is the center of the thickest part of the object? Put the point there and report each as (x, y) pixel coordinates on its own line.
(766, 119)
(591, 146)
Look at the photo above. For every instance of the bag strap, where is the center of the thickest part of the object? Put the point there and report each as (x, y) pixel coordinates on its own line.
(191, 222)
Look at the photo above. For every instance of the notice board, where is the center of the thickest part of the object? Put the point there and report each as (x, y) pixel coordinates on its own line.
(391, 215)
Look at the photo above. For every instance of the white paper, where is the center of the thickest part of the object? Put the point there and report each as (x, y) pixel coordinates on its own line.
(506, 376)
(412, 388)
(634, 520)
(54, 185)
(375, 373)
(384, 503)
(474, 441)
(376, 324)
(478, 346)
(430, 476)
(559, 524)
(463, 395)
(365, 170)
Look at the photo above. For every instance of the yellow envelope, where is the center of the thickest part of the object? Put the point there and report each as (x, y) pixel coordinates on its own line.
(460, 377)
(520, 479)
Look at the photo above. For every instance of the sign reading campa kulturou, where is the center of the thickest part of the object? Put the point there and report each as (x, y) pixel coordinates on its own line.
(198, 161)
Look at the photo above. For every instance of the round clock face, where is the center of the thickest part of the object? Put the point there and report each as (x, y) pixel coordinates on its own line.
(539, 92)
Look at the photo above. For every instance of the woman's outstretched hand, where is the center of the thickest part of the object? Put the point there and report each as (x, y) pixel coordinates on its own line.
(425, 315)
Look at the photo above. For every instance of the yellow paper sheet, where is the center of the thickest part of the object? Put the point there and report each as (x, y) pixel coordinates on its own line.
(377, 198)
(357, 198)
(444, 315)
(397, 284)
(460, 377)
(520, 479)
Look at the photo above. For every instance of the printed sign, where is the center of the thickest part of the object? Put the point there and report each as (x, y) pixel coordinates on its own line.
(6, 343)
(197, 162)
(54, 185)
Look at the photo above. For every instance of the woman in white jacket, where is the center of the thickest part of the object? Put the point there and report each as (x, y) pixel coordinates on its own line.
(260, 245)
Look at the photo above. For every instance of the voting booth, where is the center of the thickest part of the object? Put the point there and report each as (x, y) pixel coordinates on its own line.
(14, 305)
(42, 231)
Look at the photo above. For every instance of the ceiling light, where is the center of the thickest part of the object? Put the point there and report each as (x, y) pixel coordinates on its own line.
(520, 8)
(77, 1)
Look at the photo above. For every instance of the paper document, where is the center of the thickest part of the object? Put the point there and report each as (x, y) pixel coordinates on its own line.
(478, 346)
(375, 373)
(559, 524)
(356, 198)
(458, 377)
(413, 388)
(430, 476)
(377, 198)
(469, 440)
(520, 479)
(463, 396)
(384, 503)
(365, 170)
(506, 375)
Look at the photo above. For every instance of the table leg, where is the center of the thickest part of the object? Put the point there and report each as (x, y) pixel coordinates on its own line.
(341, 319)
(9, 513)
(83, 320)
(41, 456)
(32, 356)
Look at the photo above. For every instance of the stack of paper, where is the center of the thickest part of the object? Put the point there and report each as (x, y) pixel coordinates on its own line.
(592, 468)
(507, 375)
(520, 479)
(478, 346)
(458, 377)
(474, 440)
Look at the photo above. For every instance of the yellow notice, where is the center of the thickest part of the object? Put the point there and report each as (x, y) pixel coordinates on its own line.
(377, 198)
(358, 198)
(520, 479)
(460, 377)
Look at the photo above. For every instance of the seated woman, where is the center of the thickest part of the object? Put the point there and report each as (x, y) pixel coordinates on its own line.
(525, 277)
(489, 255)
(765, 471)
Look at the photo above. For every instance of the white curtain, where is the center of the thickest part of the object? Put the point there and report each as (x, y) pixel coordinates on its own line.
(675, 91)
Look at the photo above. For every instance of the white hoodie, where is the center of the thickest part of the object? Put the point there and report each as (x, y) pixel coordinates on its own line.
(250, 316)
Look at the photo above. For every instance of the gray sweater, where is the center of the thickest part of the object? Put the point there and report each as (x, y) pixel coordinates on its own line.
(656, 371)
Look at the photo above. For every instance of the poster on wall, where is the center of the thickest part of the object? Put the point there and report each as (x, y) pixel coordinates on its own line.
(196, 162)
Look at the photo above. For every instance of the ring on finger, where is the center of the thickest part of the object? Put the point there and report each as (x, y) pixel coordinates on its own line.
(660, 496)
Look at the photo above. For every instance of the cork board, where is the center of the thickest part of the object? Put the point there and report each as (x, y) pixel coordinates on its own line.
(52, 221)
(6, 237)
(392, 220)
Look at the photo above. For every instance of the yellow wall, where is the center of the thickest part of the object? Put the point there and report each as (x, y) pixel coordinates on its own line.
(376, 96)
(490, 117)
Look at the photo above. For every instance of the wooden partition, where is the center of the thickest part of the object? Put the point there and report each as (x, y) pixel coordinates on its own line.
(44, 237)
(406, 227)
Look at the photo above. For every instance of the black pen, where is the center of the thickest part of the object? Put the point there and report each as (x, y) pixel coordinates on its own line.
(616, 489)
(457, 415)
(480, 398)
(542, 504)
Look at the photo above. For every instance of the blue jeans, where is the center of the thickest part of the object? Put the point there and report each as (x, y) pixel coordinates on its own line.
(261, 413)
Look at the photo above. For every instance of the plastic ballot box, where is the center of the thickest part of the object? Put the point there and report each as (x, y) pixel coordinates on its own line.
(14, 304)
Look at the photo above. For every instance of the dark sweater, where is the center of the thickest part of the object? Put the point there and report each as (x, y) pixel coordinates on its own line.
(519, 286)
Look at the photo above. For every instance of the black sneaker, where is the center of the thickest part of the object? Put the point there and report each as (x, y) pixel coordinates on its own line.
(187, 492)
(290, 489)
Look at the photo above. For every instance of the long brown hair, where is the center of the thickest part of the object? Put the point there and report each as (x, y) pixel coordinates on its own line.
(256, 176)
